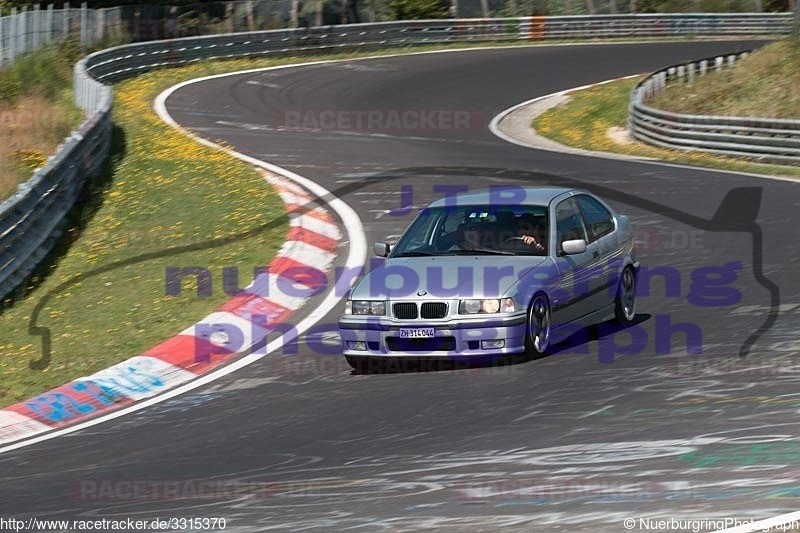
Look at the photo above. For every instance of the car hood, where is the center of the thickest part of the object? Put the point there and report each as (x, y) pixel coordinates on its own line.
(415, 278)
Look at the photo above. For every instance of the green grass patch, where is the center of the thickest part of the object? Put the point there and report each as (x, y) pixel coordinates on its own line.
(47, 72)
(589, 116)
(167, 193)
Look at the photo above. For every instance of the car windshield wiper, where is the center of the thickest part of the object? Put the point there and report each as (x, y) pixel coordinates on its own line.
(481, 251)
(414, 254)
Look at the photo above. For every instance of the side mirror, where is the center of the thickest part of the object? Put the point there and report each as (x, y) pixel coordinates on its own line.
(576, 246)
(382, 249)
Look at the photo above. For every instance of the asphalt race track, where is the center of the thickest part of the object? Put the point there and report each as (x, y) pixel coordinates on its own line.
(577, 441)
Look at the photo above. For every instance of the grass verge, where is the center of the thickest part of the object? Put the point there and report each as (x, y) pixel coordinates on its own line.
(590, 117)
(166, 192)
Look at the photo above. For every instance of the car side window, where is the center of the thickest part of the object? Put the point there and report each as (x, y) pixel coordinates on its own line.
(569, 223)
(599, 221)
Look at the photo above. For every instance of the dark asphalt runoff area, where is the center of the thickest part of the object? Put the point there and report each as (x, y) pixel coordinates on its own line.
(578, 441)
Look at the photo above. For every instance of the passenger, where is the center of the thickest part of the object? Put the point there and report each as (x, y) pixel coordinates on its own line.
(473, 237)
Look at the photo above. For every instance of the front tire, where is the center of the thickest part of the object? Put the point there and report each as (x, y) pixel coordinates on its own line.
(364, 364)
(625, 302)
(537, 336)
(359, 364)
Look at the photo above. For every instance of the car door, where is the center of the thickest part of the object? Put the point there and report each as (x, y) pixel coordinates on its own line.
(575, 276)
(600, 229)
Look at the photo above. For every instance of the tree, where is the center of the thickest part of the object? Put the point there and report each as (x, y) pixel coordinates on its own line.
(418, 9)
(7, 5)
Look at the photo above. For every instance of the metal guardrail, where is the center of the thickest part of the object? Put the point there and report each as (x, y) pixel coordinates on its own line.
(768, 140)
(39, 207)
(129, 60)
(33, 219)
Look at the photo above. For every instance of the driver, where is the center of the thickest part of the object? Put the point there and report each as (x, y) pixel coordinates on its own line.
(471, 237)
(530, 231)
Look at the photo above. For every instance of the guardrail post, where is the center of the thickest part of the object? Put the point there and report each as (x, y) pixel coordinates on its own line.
(690, 68)
(84, 31)
(21, 49)
(249, 16)
(65, 15)
(294, 14)
(718, 62)
(100, 24)
(37, 26)
(2, 41)
(49, 22)
(12, 34)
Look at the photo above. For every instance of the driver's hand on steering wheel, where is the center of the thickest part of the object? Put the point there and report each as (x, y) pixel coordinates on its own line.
(530, 240)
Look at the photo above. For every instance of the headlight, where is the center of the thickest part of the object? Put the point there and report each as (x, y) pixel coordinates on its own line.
(364, 307)
(472, 307)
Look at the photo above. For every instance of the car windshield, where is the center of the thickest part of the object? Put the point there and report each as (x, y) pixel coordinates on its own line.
(476, 230)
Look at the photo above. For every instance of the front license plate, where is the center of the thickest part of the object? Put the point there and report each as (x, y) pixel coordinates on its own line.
(417, 333)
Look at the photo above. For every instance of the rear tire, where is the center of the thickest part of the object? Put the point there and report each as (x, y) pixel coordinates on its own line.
(625, 302)
(537, 334)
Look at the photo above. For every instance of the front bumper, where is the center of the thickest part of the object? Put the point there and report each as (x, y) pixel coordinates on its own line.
(473, 336)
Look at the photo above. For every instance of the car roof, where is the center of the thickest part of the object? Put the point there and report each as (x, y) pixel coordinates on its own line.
(500, 194)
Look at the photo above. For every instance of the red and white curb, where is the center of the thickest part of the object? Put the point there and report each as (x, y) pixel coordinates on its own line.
(228, 335)
(237, 326)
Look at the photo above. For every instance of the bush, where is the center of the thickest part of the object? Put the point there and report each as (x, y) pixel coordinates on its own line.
(10, 88)
(46, 72)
